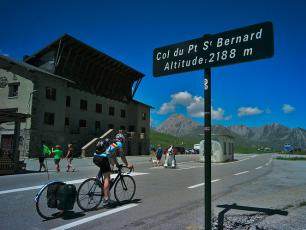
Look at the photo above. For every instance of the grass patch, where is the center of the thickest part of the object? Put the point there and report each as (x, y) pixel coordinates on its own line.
(291, 158)
(294, 153)
(166, 139)
(288, 206)
(303, 203)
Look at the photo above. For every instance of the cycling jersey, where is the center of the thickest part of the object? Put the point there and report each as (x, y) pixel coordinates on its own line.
(110, 150)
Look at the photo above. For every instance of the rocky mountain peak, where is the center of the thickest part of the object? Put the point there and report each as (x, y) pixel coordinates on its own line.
(177, 125)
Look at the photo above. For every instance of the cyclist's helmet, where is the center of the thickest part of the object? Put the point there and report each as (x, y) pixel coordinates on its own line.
(119, 137)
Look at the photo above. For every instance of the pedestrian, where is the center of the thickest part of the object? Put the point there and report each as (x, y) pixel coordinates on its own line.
(159, 154)
(69, 157)
(45, 152)
(170, 157)
(58, 153)
(152, 153)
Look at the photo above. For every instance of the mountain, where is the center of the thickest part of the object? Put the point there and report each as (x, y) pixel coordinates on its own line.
(178, 125)
(272, 135)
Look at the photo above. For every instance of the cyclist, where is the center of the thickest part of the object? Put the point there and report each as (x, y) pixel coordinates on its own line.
(102, 159)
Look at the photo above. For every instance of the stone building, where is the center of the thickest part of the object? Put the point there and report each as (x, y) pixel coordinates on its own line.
(72, 93)
(222, 148)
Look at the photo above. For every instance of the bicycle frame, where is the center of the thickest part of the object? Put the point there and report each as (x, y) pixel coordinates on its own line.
(112, 182)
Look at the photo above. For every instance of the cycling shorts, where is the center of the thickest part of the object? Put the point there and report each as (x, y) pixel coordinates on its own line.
(102, 163)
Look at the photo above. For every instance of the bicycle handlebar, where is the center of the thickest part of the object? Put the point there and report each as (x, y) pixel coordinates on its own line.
(120, 166)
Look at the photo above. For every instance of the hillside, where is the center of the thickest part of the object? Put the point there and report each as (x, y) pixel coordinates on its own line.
(272, 135)
(168, 139)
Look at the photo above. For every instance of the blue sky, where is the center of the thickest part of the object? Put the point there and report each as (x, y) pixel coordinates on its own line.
(252, 93)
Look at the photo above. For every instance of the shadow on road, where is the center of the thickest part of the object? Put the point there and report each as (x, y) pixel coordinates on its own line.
(117, 204)
(228, 207)
(69, 215)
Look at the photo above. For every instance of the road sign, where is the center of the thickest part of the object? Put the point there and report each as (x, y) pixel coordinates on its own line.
(235, 46)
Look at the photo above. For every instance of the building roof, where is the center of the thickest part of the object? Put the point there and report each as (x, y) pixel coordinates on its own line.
(7, 63)
(92, 70)
(8, 115)
(138, 102)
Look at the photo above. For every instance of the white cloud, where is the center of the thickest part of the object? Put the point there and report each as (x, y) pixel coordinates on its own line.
(248, 111)
(166, 108)
(219, 114)
(181, 98)
(194, 106)
(288, 108)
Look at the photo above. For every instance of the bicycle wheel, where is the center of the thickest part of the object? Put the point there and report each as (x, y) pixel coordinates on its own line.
(90, 194)
(125, 188)
(41, 201)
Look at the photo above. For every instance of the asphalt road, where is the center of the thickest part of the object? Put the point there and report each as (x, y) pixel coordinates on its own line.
(164, 199)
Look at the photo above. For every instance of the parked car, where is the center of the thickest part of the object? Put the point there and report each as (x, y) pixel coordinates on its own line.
(190, 151)
(180, 150)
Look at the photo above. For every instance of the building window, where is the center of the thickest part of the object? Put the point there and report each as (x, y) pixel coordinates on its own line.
(224, 148)
(98, 125)
(143, 116)
(122, 127)
(111, 111)
(110, 126)
(66, 121)
(122, 113)
(51, 93)
(68, 100)
(143, 130)
(49, 118)
(83, 105)
(131, 128)
(82, 123)
(98, 108)
(13, 89)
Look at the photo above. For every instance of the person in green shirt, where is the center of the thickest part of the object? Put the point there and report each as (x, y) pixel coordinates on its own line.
(44, 153)
(57, 155)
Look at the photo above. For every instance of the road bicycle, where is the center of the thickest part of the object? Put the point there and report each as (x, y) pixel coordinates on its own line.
(41, 202)
(90, 192)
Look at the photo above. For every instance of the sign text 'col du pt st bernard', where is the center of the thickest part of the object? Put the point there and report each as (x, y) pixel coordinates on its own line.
(234, 46)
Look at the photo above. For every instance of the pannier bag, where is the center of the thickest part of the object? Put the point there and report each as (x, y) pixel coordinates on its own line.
(66, 196)
(52, 195)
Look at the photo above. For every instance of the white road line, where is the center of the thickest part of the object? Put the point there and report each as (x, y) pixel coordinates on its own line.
(190, 167)
(231, 162)
(197, 185)
(68, 182)
(202, 184)
(244, 159)
(241, 173)
(258, 167)
(187, 162)
(91, 218)
(20, 189)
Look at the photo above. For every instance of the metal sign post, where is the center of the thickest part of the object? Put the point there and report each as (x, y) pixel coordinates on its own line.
(207, 147)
